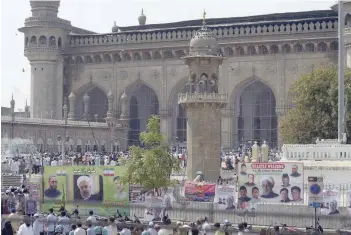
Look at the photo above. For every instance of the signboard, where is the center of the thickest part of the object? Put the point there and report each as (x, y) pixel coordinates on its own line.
(199, 191)
(315, 191)
(225, 197)
(96, 188)
(331, 202)
(275, 182)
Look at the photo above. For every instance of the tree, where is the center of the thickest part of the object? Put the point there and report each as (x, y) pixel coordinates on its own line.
(315, 114)
(152, 165)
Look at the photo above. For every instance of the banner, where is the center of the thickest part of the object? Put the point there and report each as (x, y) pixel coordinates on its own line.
(225, 197)
(34, 187)
(199, 191)
(275, 182)
(158, 203)
(96, 188)
(331, 202)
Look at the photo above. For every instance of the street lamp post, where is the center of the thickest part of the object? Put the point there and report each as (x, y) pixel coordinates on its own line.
(341, 68)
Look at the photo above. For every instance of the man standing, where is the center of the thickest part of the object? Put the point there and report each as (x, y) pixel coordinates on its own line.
(31, 206)
(51, 222)
(38, 226)
(65, 222)
(25, 228)
(52, 191)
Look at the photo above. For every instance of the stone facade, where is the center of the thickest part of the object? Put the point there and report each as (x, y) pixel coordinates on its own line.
(264, 56)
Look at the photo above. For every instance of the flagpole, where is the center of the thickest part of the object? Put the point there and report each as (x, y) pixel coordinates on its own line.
(341, 69)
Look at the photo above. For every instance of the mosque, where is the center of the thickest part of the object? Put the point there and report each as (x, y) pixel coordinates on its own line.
(99, 89)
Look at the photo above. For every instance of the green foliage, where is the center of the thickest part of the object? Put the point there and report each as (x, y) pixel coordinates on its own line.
(315, 96)
(151, 166)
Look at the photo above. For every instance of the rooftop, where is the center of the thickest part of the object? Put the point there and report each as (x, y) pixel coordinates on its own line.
(258, 19)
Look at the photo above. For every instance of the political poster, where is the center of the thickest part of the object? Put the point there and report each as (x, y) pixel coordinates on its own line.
(331, 202)
(34, 187)
(225, 197)
(96, 188)
(199, 191)
(275, 182)
(158, 203)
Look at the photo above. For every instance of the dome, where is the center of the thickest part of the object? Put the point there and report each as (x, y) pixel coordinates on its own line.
(204, 43)
(114, 28)
(72, 95)
(142, 18)
(124, 96)
(110, 94)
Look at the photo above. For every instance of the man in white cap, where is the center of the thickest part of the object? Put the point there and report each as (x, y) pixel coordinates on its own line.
(267, 183)
(151, 229)
(38, 226)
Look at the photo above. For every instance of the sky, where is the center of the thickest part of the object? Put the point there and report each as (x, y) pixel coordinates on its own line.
(99, 15)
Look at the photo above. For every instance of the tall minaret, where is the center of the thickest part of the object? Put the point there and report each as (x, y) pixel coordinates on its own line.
(203, 105)
(45, 37)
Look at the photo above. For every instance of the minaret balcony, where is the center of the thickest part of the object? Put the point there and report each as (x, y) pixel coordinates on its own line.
(203, 98)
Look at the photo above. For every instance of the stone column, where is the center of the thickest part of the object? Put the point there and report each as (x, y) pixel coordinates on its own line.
(226, 129)
(72, 106)
(110, 104)
(86, 101)
(166, 124)
(280, 115)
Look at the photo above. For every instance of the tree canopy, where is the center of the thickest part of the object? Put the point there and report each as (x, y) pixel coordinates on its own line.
(315, 115)
(152, 165)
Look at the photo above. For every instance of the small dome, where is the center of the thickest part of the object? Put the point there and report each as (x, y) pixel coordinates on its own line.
(124, 96)
(204, 43)
(114, 28)
(110, 95)
(72, 95)
(142, 18)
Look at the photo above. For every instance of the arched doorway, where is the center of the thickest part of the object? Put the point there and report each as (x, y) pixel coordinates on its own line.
(143, 103)
(98, 105)
(255, 116)
(179, 122)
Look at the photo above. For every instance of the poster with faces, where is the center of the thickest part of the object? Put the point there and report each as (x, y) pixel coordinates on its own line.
(275, 182)
(331, 202)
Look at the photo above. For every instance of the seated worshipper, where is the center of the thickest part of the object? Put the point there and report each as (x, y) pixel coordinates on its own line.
(267, 183)
(85, 186)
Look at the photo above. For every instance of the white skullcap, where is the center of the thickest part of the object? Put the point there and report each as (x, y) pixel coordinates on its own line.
(267, 178)
(36, 215)
(226, 221)
(84, 178)
(7, 191)
(151, 224)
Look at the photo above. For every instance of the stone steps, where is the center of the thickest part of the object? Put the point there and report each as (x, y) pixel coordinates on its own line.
(8, 180)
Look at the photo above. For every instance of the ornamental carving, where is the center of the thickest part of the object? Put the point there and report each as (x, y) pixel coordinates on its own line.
(123, 74)
(102, 75)
(294, 69)
(235, 69)
(155, 74)
(272, 68)
(173, 72)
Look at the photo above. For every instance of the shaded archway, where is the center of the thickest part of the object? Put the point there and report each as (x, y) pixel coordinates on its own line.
(98, 105)
(143, 103)
(255, 118)
(179, 118)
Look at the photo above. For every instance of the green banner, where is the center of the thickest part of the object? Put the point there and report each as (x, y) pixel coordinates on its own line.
(96, 188)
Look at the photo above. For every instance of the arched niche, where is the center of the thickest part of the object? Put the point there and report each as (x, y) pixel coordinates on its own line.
(179, 116)
(143, 103)
(98, 104)
(254, 118)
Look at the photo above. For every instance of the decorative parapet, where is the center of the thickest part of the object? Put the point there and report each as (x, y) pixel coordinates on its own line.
(39, 121)
(220, 32)
(317, 152)
(202, 98)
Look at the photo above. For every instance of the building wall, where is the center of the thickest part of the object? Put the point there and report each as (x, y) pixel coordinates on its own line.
(44, 136)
